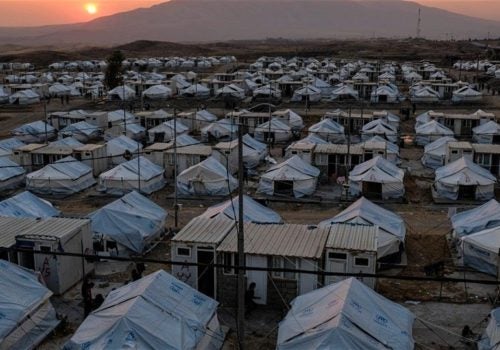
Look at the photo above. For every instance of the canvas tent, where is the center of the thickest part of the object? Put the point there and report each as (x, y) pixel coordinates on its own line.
(166, 131)
(477, 219)
(24, 97)
(431, 131)
(392, 229)
(27, 205)
(223, 130)
(328, 130)
(290, 118)
(344, 92)
(59, 89)
(480, 250)
(119, 147)
(64, 177)
(345, 315)
(137, 174)
(27, 314)
(34, 132)
(11, 174)
(275, 130)
(82, 131)
(156, 312)
(488, 132)
(490, 339)
(257, 151)
(157, 92)
(207, 178)
(463, 179)
(293, 177)
(377, 178)
(308, 93)
(435, 152)
(133, 221)
(122, 92)
(424, 94)
(195, 90)
(378, 127)
(466, 94)
(230, 91)
(252, 211)
(385, 94)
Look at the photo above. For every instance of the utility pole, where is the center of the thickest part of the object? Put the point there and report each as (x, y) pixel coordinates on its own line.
(176, 206)
(241, 249)
(45, 113)
(419, 23)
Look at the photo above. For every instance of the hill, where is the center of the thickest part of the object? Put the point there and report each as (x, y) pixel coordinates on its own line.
(222, 20)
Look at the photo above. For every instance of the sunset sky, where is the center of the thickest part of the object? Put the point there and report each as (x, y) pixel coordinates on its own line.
(41, 12)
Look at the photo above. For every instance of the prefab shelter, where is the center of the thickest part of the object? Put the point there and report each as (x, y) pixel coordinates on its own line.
(488, 132)
(27, 313)
(207, 178)
(120, 148)
(431, 131)
(11, 174)
(196, 121)
(27, 205)
(463, 180)
(345, 315)
(293, 177)
(64, 177)
(166, 131)
(137, 174)
(133, 221)
(290, 118)
(157, 92)
(477, 219)
(378, 127)
(329, 131)
(38, 131)
(392, 229)
(435, 152)
(480, 250)
(253, 211)
(273, 131)
(185, 157)
(183, 318)
(377, 178)
(93, 155)
(7, 146)
(82, 131)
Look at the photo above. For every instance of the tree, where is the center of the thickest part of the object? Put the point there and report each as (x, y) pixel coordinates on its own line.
(114, 70)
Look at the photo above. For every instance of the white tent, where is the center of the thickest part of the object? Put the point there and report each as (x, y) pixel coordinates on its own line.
(384, 93)
(122, 92)
(34, 132)
(11, 174)
(58, 90)
(486, 133)
(328, 130)
(166, 131)
(120, 146)
(27, 314)
(490, 340)
(252, 211)
(290, 118)
(157, 92)
(377, 177)
(223, 130)
(231, 91)
(255, 146)
(430, 132)
(208, 177)
(64, 177)
(307, 93)
(480, 250)
(466, 94)
(344, 92)
(474, 220)
(156, 312)
(137, 174)
(293, 177)
(4, 96)
(463, 179)
(82, 131)
(24, 97)
(275, 130)
(424, 94)
(345, 315)
(426, 117)
(195, 90)
(392, 229)
(133, 221)
(378, 127)
(266, 91)
(27, 205)
(379, 143)
(435, 152)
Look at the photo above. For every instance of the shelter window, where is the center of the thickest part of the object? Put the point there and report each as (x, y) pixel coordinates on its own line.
(229, 260)
(284, 263)
(337, 256)
(183, 251)
(361, 262)
(483, 159)
(45, 249)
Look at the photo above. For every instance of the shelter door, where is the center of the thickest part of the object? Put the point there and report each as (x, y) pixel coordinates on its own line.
(206, 275)
(258, 277)
(336, 262)
(372, 189)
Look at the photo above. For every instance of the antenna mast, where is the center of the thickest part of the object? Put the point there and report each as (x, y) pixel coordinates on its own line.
(419, 23)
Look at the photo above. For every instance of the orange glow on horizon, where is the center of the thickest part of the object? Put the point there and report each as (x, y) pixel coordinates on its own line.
(91, 8)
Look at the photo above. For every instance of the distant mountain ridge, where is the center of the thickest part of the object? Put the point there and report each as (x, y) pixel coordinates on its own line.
(222, 20)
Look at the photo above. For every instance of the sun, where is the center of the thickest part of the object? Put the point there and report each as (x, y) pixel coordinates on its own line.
(91, 8)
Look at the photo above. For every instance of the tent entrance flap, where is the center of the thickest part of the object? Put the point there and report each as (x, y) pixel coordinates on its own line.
(372, 190)
(466, 192)
(206, 275)
(199, 187)
(283, 187)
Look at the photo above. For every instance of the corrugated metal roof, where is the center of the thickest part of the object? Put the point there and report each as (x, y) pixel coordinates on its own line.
(89, 147)
(49, 149)
(12, 227)
(486, 148)
(55, 227)
(205, 231)
(202, 150)
(338, 149)
(282, 240)
(226, 145)
(159, 146)
(352, 237)
(30, 147)
(303, 146)
(460, 144)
